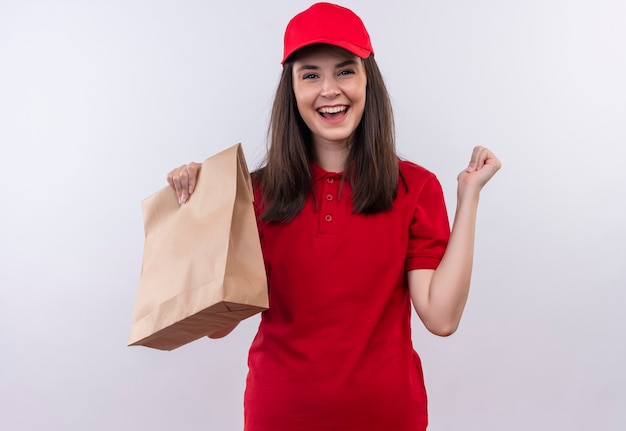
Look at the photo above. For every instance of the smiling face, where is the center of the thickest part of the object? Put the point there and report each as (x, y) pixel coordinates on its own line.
(329, 85)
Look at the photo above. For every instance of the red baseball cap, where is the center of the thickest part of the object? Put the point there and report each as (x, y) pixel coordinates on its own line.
(327, 23)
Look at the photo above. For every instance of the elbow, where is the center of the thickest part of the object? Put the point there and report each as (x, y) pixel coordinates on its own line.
(221, 333)
(444, 329)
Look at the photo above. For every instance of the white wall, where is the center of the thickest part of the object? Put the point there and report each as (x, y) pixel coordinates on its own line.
(99, 99)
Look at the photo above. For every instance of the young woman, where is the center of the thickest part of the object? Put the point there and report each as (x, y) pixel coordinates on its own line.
(351, 236)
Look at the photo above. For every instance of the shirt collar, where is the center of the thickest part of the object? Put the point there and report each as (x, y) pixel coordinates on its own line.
(319, 173)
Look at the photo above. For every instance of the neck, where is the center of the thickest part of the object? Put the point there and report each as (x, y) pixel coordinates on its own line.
(330, 156)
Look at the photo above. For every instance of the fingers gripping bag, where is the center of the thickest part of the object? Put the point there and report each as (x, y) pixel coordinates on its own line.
(202, 267)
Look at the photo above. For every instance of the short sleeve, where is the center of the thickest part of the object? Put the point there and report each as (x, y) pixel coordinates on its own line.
(429, 230)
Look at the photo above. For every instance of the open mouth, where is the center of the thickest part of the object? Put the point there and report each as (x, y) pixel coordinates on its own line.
(331, 112)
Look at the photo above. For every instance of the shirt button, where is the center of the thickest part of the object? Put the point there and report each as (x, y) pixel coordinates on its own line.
(329, 197)
(328, 218)
(330, 180)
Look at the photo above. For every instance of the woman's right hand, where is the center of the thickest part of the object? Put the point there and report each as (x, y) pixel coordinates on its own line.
(183, 180)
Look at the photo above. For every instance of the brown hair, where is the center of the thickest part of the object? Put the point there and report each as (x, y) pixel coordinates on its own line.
(371, 166)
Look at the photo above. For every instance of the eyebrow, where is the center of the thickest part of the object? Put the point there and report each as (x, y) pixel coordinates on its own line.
(337, 66)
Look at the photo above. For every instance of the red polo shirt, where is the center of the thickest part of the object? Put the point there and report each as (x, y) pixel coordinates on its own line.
(334, 350)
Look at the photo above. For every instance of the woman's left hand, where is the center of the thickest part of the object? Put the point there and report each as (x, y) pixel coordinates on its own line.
(482, 166)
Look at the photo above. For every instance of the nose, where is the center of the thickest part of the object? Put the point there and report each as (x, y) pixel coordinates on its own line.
(330, 89)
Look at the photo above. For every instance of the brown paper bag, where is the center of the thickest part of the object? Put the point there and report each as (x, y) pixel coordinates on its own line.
(202, 266)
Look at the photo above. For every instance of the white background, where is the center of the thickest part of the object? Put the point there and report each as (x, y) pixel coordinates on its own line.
(99, 99)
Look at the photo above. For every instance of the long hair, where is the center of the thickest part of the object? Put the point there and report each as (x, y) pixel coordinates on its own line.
(371, 166)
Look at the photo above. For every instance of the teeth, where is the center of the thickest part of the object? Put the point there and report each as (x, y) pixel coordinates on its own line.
(332, 109)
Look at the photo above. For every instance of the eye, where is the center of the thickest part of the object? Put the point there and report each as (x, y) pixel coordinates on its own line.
(346, 72)
(309, 76)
